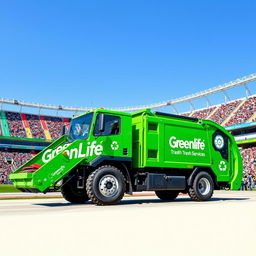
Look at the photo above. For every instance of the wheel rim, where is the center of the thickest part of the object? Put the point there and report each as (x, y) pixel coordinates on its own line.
(204, 186)
(108, 186)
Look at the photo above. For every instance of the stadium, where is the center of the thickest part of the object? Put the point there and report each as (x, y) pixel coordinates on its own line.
(24, 134)
(127, 128)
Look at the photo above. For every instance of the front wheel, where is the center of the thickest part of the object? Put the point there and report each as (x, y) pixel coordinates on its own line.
(202, 188)
(73, 194)
(106, 185)
(167, 195)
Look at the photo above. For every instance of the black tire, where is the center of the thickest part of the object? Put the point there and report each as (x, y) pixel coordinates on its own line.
(73, 194)
(106, 185)
(202, 188)
(167, 195)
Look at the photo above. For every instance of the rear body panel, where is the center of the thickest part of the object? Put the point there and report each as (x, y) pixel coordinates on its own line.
(168, 141)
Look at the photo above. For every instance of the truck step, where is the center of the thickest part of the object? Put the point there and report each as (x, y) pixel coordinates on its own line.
(157, 181)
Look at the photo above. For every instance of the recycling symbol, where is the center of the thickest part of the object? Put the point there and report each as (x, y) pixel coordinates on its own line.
(222, 166)
(114, 145)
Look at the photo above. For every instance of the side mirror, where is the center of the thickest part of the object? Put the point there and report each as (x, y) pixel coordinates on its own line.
(101, 122)
(63, 130)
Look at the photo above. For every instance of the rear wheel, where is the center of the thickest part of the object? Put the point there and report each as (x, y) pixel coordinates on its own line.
(202, 188)
(167, 194)
(73, 194)
(106, 185)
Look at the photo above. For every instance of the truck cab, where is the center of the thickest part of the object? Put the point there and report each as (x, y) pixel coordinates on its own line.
(103, 133)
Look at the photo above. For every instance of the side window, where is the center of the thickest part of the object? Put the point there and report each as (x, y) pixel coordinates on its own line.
(111, 126)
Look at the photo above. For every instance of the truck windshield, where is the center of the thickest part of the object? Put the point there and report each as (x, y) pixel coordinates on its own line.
(80, 127)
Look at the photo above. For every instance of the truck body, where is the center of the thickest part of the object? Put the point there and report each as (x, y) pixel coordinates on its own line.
(107, 153)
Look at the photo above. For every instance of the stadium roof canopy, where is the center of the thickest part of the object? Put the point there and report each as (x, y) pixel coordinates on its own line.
(220, 88)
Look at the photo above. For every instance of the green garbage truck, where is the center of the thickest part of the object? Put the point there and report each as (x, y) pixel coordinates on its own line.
(107, 153)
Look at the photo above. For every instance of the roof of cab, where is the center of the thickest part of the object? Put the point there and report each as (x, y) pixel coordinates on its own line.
(106, 111)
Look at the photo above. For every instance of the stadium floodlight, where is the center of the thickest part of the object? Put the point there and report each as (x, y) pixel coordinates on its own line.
(220, 88)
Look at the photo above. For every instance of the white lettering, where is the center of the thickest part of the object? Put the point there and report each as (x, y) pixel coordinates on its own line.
(59, 149)
(46, 158)
(73, 151)
(80, 154)
(98, 150)
(91, 149)
(187, 144)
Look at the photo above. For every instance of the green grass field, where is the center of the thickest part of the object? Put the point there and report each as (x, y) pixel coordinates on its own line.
(28, 198)
(8, 189)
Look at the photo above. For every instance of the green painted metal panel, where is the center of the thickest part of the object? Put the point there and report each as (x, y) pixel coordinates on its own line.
(22, 139)
(163, 141)
(5, 127)
(173, 143)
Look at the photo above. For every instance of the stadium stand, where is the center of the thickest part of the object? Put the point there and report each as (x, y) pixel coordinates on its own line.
(32, 126)
(35, 126)
(10, 160)
(223, 111)
(203, 114)
(25, 126)
(15, 124)
(249, 163)
(54, 125)
(244, 113)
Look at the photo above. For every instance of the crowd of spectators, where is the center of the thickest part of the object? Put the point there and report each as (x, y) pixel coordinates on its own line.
(35, 126)
(11, 160)
(249, 168)
(204, 113)
(244, 113)
(54, 125)
(223, 111)
(16, 127)
(15, 124)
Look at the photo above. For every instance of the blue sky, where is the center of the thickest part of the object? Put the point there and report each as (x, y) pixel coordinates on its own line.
(123, 53)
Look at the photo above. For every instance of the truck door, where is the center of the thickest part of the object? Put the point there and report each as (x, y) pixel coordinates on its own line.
(113, 132)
